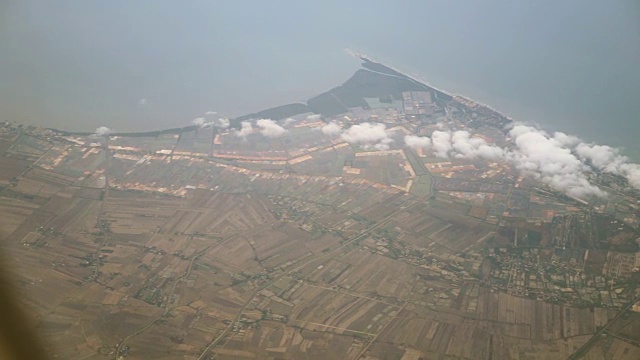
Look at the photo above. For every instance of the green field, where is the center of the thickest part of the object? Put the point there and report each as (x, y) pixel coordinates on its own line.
(416, 163)
(421, 185)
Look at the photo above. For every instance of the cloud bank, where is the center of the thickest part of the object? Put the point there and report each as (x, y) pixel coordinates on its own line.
(562, 161)
(103, 131)
(270, 128)
(369, 135)
(246, 129)
(550, 160)
(222, 123)
(202, 123)
(331, 129)
(606, 158)
(441, 142)
(467, 147)
(456, 144)
(417, 142)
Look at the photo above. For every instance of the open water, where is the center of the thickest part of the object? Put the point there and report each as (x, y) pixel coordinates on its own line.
(572, 66)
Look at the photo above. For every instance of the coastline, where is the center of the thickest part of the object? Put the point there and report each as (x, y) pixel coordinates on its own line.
(360, 56)
(632, 155)
(388, 70)
(420, 80)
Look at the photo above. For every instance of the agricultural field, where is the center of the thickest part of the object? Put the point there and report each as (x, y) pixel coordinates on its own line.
(203, 243)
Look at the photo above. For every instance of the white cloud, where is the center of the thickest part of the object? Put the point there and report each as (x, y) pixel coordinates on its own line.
(245, 130)
(441, 141)
(314, 117)
(103, 131)
(202, 123)
(457, 144)
(632, 173)
(369, 135)
(560, 160)
(417, 142)
(222, 123)
(565, 162)
(606, 158)
(384, 144)
(142, 102)
(601, 157)
(199, 122)
(289, 121)
(210, 112)
(566, 140)
(551, 161)
(467, 147)
(270, 128)
(331, 129)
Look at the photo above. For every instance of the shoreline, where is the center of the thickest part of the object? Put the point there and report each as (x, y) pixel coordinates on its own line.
(360, 56)
(632, 155)
(420, 80)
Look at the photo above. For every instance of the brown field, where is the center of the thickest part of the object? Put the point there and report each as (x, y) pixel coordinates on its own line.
(11, 168)
(291, 262)
(14, 212)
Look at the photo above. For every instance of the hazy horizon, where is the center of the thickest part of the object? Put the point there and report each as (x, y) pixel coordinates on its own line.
(132, 66)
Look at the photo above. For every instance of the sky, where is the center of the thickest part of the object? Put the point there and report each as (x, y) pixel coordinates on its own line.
(141, 65)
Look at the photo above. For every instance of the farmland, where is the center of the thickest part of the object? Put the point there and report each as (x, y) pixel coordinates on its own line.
(219, 243)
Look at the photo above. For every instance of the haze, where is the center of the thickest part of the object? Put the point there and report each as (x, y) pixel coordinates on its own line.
(77, 65)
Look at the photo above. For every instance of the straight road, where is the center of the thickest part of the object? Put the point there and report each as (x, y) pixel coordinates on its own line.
(582, 351)
(333, 252)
